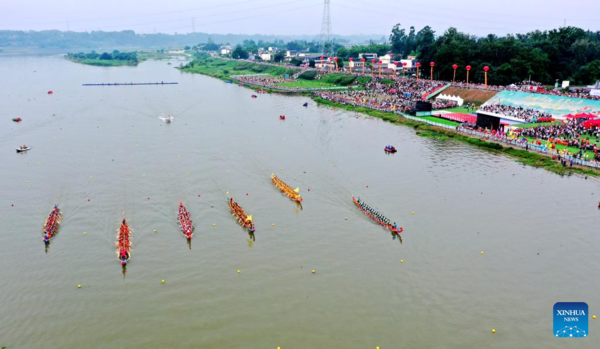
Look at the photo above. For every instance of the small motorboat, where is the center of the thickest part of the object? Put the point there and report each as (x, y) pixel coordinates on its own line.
(23, 149)
(390, 149)
(281, 117)
(305, 104)
(17, 119)
(168, 119)
(254, 96)
(50, 92)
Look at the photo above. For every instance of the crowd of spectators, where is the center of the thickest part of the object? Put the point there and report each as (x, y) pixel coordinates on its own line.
(400, 95)
(529, 115)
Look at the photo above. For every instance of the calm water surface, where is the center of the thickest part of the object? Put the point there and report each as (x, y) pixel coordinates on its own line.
(103, 154)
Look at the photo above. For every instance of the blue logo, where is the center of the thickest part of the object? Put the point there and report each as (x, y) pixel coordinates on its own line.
(570, 319)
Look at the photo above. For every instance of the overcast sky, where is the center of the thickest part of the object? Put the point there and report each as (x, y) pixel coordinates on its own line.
(297, 16)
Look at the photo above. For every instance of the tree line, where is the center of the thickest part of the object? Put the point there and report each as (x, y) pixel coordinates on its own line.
(115, 55)
(566, 53)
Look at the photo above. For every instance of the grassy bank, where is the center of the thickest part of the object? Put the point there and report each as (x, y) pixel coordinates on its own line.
(104, 63)
(430, 131)
(225, 68)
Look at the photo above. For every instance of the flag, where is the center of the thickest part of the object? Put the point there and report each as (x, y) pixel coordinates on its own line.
(297, 190)
(249, 218)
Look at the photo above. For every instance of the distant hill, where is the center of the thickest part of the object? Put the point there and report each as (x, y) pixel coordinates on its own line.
(55, 40)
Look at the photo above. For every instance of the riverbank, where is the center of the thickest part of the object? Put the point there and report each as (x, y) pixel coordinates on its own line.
(103, 62)
(220, 68)
(430, 131)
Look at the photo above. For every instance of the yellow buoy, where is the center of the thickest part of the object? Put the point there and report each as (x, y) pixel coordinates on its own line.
(413, 212)
(239, 271)
(26, 181)
(273, 224)
(85, 233)
(155, 230)
(314, 271)
(493, 331)
(594, 317)
(78, 286)
(402, 261)
(481, 252)
(214, 224)
(162, 281)
(345, 218)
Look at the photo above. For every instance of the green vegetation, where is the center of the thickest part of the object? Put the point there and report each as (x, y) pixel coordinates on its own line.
(567, 53)
(440, 120)
(462, 110)
(224, 68)
(105, 59)
(429, 131)
(308, 75)
(306, 84)
(338, 79)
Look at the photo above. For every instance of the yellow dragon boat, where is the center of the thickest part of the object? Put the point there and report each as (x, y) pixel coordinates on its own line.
(286, 189)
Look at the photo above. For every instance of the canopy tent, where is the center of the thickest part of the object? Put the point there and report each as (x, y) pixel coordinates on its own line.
(591, 123)
(580, 116)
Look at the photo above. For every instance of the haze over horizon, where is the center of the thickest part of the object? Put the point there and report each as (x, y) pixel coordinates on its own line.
(295, 17)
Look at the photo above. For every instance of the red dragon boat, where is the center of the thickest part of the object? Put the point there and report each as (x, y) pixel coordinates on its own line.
(185, 222)
(52, 223)
(124, 243)
(377, 217)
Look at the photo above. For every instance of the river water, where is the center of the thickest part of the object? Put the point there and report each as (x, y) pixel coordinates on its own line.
(103, 154)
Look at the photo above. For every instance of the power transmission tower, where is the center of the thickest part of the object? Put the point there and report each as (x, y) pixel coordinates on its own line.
(325, 38)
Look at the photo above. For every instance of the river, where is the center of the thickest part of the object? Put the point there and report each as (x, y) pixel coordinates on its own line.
(103, 154)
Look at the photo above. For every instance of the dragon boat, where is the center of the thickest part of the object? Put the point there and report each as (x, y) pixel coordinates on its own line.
(124, 243)
(286, 189)
(185, 221)
(52, 223)
(374, 215)
(240, 215)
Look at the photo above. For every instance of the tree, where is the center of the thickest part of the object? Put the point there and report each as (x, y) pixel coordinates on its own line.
(187, 48)
(398, 40)
(239, 53)
(279, 56)
(211, 46)
(311, 63)
(295, 61)
(105, 56)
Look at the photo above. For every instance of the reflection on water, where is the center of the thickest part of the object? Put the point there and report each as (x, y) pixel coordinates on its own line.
(105, 154)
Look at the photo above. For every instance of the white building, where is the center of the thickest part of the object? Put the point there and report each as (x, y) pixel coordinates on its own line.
(266, 56)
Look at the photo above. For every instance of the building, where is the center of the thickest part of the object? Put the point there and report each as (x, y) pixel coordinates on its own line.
(265, 56)
(356, 64)
(324, 64)
(368, 55)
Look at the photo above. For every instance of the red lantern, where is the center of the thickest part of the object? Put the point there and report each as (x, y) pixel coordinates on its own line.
(335, 58)
(418, 64)
(404, 64)
(432, 64)
(380, 62)
(454, 66)
(364, 60)
(468, 67)
(322, 57)
(486, 68)
(329, 58)
(373, 61)
(396, 64)
(351, 59)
